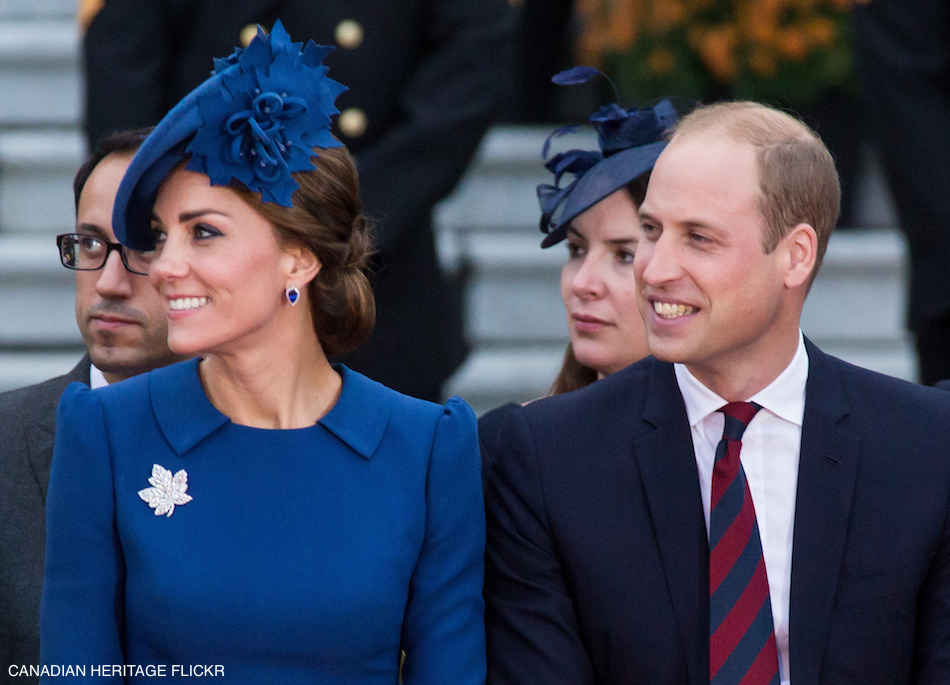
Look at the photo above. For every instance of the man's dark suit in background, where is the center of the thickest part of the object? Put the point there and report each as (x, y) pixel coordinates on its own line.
(424, 79)
(903, 55)
(27, 429)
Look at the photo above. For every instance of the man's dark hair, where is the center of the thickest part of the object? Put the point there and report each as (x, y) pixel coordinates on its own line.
(121, 142)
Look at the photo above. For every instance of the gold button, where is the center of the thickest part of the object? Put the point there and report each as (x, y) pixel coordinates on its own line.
(353, 122)
(248, 33)
(348, 34)
(88, 9)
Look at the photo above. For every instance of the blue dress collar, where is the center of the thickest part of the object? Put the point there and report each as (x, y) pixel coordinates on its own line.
(186, 416)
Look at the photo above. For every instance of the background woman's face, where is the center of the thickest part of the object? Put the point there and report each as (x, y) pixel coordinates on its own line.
(218, 266)
(598, 286)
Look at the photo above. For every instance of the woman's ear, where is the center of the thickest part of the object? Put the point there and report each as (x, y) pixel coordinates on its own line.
(302, 266)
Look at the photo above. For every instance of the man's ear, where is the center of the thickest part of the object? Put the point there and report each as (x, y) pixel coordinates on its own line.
(801, 252)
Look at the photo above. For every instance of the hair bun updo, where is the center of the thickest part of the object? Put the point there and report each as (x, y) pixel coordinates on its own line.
(327, 218)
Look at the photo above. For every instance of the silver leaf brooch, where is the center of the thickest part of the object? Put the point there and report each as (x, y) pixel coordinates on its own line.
(166, 491)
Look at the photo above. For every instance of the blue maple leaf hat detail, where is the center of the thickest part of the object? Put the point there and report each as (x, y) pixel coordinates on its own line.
(629, 143)
(255, 121)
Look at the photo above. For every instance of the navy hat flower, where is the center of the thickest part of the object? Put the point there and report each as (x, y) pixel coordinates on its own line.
(629, 143)
(256, 120)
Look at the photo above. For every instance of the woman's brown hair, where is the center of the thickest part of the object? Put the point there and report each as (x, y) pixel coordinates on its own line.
(573, 375)
(327, 219)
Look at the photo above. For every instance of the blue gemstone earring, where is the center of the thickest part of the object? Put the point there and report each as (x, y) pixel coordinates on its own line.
(292, 294)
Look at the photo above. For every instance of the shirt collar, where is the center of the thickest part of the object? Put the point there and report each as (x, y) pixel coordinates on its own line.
(784, 397)
(96, 378)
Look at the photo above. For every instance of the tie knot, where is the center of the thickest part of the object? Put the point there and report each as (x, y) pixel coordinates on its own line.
(738, 415)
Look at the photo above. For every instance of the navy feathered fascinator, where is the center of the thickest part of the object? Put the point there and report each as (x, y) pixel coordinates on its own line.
(255, 120)
(629, 143)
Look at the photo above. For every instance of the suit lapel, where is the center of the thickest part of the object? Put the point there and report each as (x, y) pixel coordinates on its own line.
(41, 434)
(826, 476)
(667, 465)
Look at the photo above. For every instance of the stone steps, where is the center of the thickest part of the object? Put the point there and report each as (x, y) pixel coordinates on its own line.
(488, 227)
(36, 181)
(855, 311)
(513, 306)
(38, 9)
(515, 316)
(39, 71)
(40, 149)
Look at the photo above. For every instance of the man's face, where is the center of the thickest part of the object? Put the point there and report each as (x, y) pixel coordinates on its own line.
(121, 317)
(709, 295)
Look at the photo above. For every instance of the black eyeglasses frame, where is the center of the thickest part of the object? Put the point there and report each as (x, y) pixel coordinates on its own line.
(110, 246)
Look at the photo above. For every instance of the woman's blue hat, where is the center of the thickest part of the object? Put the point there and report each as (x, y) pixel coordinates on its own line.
(629, 140)
(255, 120)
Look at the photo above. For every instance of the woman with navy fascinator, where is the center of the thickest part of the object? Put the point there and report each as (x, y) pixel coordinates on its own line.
(256, 512)
(592, 205)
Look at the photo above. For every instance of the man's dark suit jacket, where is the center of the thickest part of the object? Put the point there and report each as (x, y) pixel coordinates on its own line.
(597, 561)
(427, 74)
(27, 431)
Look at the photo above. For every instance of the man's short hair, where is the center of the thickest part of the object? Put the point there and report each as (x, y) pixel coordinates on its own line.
(798, 182)
(119, 142)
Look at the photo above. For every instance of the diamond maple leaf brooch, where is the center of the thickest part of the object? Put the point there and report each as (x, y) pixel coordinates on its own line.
(166, 491)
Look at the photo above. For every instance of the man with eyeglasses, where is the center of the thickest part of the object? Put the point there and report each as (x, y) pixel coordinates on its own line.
(123, 325)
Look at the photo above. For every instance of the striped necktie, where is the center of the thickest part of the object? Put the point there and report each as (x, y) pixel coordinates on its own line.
(741, 640)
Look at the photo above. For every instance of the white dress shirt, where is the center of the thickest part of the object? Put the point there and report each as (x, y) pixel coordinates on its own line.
(771, 446)
(96, 379)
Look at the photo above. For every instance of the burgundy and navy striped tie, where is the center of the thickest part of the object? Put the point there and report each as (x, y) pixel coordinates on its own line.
(741, 640)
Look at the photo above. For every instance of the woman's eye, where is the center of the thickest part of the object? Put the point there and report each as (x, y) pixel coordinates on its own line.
(158, 235)
(204, 231)
(625, 256)
(574, 250)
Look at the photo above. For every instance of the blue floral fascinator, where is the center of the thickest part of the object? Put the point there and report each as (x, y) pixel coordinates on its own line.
(629, 143)
(254, 120)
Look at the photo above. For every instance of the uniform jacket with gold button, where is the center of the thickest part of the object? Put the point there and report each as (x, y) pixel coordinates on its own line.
(424, 77)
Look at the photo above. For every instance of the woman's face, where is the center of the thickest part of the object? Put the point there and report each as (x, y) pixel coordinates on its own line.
(598, 287)
(218, 266)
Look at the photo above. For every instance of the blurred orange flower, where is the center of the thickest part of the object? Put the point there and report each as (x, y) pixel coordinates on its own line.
(780, 51)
